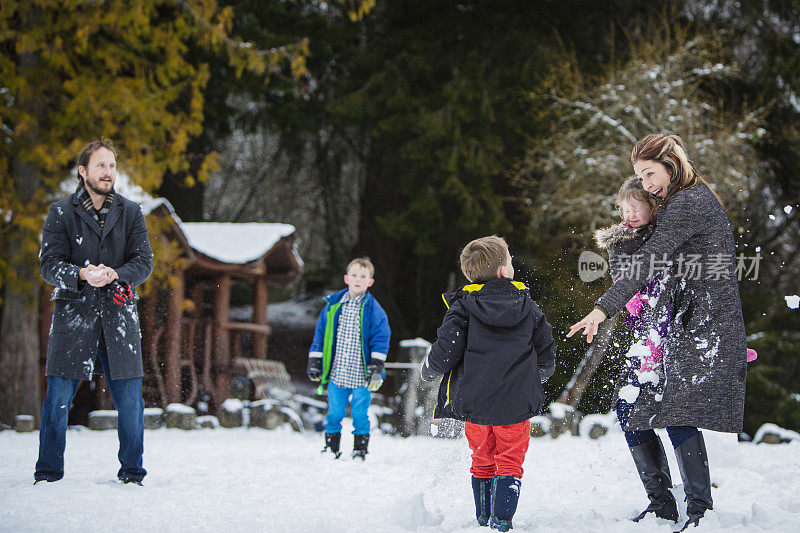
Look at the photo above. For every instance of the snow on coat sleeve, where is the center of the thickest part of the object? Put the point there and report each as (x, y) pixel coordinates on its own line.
(55, 253)
(676, 225)
(138, 256)
(448, 349)
(544, 344)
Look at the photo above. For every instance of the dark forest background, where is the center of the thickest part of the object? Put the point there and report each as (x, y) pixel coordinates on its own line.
(403, 129)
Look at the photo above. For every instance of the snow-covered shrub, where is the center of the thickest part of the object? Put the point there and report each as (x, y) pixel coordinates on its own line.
(573, 174)
(774, 434)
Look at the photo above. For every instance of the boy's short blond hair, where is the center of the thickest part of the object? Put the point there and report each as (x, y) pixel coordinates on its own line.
(481, 258)
(364, 262)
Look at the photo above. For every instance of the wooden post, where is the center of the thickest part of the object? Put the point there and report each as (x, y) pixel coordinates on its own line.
(222, 341)
(102, 393)
(197, 297)
(260, 301)
(172, 367)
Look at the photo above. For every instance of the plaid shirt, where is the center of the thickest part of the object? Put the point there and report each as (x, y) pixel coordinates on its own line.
(348, 366)
(86, 201)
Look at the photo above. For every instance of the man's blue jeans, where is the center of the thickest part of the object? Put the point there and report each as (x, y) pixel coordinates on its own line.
(127, 397)
(338, 398)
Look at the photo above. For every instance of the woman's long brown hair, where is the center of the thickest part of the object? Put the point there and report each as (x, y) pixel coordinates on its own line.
(668, 150)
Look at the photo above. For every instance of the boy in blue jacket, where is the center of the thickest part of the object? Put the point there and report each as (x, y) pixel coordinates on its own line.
(495, 349)
(348, 354)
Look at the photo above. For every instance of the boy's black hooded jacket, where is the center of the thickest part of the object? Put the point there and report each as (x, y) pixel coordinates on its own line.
(495, 348)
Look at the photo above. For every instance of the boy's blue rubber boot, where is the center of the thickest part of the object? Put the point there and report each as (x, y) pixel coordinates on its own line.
(505, 495)
(482, 490)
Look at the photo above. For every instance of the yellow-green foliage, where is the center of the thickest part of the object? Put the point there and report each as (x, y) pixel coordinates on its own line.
(73, 71)
(168, 257)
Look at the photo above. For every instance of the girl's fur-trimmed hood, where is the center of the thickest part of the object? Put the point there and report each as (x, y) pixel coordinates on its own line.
(608, 237)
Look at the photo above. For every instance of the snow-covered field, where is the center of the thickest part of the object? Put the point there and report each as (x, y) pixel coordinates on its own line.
(258, 480)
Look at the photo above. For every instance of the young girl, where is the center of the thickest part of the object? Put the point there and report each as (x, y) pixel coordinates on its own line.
(643, 359)
(623, 241)
(638, 209)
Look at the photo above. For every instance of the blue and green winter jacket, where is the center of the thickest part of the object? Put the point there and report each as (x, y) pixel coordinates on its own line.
(375, 332)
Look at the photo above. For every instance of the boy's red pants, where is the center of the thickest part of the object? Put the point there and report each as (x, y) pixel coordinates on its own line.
(498, 450)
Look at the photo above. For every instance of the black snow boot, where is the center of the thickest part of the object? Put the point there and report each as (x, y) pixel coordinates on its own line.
(693, 464)
(482, 490)
(505, 495)
(360, 443)
(332, 444)
(651, 463)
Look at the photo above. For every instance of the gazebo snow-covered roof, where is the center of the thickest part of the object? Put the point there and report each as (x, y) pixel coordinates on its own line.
(231, 242)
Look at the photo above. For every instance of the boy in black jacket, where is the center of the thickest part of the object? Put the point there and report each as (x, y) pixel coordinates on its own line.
(495, 349)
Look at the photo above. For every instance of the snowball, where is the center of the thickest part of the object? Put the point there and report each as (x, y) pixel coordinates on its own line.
(792, 301)
(629, 393)
(647, 377)
(638, 350)
(787, 209)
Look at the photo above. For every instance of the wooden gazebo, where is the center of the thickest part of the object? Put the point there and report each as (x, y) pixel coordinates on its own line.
(190, 345)
(197, 347)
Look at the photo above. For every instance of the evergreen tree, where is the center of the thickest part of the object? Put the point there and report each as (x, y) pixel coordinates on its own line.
(71, 72)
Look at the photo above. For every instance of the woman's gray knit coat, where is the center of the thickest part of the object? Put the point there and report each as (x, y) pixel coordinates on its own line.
(705, 353)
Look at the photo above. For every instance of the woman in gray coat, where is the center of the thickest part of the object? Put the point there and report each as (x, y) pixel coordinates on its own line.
(704, 358)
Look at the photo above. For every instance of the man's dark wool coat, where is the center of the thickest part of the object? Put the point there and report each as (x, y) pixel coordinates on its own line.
(71, 239)
(495, 348)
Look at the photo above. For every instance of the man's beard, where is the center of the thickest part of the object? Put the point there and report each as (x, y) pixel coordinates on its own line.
(95, 187)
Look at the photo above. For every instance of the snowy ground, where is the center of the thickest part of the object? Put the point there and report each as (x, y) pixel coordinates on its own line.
(257, 480)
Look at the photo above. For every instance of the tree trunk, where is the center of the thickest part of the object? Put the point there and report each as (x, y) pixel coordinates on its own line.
(19, 354)
(19, 342)
(588, 366)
